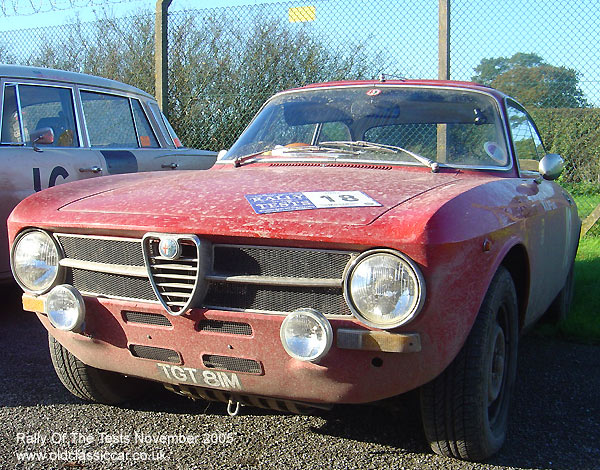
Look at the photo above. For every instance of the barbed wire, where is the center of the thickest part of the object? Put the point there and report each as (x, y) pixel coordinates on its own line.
(10, 8)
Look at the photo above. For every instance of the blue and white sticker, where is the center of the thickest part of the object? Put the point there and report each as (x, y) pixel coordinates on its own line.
(286, 202)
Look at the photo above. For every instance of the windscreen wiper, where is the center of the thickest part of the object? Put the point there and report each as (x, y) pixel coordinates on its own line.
(238, 161)
(435, 167)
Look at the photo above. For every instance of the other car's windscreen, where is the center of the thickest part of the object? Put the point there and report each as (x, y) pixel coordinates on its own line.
(450, 126)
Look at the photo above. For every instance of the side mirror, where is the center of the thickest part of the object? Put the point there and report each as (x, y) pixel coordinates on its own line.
(45, 135)
(551, 166)
(221, 154)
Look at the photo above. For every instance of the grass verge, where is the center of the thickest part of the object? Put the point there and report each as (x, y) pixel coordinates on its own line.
(583, 322)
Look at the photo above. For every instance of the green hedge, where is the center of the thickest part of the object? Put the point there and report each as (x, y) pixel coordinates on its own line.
(574, 133)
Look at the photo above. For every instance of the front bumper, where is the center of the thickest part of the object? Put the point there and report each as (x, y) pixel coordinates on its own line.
(241, 352)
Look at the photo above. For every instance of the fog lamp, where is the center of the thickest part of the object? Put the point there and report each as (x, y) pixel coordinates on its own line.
(306, 335)
(65, 308)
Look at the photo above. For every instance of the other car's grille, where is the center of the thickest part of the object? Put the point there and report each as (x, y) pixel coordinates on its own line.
(227, 277)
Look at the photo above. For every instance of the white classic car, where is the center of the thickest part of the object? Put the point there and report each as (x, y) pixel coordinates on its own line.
(59, 126)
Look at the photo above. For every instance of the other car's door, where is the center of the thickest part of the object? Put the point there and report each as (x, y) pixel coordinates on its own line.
(29, 166)
(119, 130)
(549, 210)
(184, 158)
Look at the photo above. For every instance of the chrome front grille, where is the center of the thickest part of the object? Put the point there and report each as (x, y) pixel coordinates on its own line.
(268, 299)
(277, 279)
(279, 262)
(102, 250)
(175, 281)
(111, 285)
(226, 277)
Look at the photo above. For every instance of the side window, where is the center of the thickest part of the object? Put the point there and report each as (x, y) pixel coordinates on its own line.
(526, 146)
(145, 134)
(48, 106)
(539, 147)
(109, 120)
(166, 128)
(11, 128)
(171, 131)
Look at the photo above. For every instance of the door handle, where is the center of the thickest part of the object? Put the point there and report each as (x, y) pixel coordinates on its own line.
(93, 169)
(172, 166)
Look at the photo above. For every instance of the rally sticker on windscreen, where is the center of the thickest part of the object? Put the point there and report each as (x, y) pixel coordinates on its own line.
(285, 202)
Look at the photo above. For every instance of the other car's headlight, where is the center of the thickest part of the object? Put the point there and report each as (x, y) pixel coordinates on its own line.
(384, 289)
(306, 335)
(34, 261)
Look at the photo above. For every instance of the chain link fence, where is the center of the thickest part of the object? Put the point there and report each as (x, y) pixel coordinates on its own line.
(224, 62)
(544, 53)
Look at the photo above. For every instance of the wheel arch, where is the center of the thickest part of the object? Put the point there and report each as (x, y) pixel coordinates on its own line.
(516, 261)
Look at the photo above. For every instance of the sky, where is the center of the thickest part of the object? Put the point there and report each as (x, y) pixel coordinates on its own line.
(564, 33)
(26, 18)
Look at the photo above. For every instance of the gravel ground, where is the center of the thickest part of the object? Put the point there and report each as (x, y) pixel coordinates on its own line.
(555, 421)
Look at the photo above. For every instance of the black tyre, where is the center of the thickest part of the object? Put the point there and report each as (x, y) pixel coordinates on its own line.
(89, 383)
(559, 309)
(465, 409)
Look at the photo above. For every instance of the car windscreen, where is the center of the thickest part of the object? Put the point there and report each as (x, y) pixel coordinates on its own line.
(452, 126)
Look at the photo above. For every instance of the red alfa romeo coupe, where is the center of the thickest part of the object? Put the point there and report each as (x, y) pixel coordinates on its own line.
(359, 240)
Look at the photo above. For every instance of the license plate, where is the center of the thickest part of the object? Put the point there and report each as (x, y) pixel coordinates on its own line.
(200, 377)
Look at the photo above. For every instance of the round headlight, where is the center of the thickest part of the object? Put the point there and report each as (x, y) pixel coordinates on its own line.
(306, 335)
(65, 308)
(34, 261)
(384, 289)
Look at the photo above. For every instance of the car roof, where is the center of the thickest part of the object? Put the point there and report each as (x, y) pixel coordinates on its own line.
(41, 73)
(408, 82)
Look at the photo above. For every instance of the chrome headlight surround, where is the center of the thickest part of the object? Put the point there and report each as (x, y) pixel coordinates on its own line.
(399, 297)
(34, 260)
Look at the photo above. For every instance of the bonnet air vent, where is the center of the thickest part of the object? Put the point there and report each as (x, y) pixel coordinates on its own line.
(176, 268)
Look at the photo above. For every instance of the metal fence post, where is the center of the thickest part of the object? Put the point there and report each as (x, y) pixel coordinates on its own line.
(443, 70)
(444, 40)
(161, 52)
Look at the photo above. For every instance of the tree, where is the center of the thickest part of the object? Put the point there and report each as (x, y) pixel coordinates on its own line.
(221, 68)
(532, 81)
(122, 49)
(5, 56)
